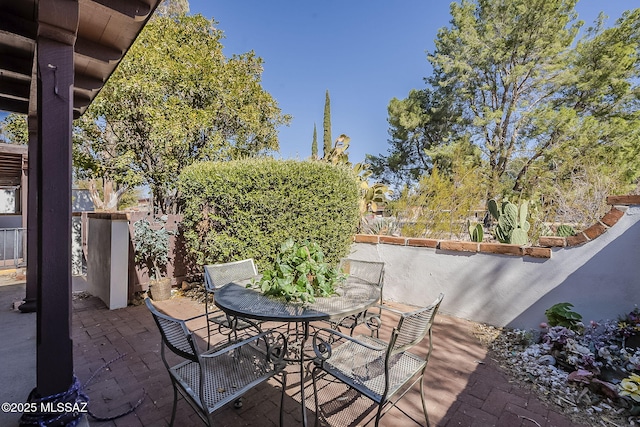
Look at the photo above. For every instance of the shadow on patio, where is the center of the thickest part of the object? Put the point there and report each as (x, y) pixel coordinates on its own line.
(464, 387)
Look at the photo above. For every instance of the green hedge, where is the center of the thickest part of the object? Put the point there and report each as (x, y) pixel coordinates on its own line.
(247, 208)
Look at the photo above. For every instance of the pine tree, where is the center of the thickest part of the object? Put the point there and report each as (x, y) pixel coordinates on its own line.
(314, 144)
(327, 125)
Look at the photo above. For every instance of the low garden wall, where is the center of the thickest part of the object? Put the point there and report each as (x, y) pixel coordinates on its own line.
(598, 271)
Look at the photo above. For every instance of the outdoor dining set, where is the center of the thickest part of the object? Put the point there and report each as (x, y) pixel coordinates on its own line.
(315, 335)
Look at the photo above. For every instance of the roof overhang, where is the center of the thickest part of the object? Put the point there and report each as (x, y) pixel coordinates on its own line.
(106, 30)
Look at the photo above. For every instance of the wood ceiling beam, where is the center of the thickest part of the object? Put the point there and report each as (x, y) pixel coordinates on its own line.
(12, 88)
(132, 8)
(86, 82)
(97, 51)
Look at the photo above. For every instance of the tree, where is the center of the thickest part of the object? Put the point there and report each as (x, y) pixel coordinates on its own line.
(172, 8)
(419, 123)
(528, 89)
(14, 129)
(314, 144)
(327, 125)
(176, 99)
(534, 97)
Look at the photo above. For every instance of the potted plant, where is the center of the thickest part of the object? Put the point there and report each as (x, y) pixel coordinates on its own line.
(299, 273)
(152, 250)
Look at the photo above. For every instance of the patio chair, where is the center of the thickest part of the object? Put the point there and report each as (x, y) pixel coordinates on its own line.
(210, 380)
(371, 272)
(382, 372)
(217, 276)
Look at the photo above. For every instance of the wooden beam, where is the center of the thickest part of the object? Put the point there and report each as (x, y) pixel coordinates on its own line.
(86, 82)
(14, 105)
(97, 51)
(54, 348)
(15, 88)
(19, 26)
(131, 8)
(16, 65)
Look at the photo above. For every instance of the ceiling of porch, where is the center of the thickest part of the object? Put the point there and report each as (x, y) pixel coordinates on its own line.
(106, 29)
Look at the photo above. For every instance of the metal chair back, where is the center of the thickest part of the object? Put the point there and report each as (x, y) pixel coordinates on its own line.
(368, 271)
(413, 327)
(175, 334)
(218, 275)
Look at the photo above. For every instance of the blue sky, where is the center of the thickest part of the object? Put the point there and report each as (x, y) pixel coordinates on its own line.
(364, 52)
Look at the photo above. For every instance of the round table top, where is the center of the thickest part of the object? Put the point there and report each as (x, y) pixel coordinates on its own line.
(351, 298)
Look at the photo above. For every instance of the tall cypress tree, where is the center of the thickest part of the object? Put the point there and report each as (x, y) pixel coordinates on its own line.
(327, 125)
(314, 144)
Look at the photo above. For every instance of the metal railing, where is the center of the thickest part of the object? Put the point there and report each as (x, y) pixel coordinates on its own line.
(13, 247)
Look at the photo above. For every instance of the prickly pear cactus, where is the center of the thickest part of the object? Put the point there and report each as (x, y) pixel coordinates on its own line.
(476, 232)
(512, 226)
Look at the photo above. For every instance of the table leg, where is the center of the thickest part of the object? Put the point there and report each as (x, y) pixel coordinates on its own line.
(305, 336)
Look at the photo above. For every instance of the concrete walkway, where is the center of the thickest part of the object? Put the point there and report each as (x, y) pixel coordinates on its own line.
(464, 387)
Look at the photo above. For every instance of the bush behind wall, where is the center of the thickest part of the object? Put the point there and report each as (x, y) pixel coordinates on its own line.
(247, 208)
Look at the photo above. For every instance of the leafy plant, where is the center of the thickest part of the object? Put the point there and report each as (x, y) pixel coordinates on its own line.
(513, 226)
(152, 245)
(630, 387)
(565, 231)
(561, 315)
(246, 208)
(379, 226)
(300, 273)
(476, 232)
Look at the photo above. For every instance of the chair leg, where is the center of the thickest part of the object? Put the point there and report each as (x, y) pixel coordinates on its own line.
(424, 403)
(379, 414)
(206, 310)
(284, 387)
(315, 394)
(175, 404)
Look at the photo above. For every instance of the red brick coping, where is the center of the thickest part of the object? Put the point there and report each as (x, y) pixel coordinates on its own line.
(543, 250)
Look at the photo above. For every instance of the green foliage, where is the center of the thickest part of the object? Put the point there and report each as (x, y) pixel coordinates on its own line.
(476, 232)
(326, 125)
(512, 226)
(299, 273)
(314, 144)
(176, 99)
(424, 120)
(14, 129)
(247, 208)
(565, 231)
(379, 226)
(539, 96)
(152, 245)
(561, 315)
(443, 201)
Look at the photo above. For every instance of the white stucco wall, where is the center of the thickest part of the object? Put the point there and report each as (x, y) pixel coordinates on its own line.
(107, 263)
(601, 278)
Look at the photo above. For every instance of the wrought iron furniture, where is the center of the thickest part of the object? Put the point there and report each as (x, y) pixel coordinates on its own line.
(381, 371)
(354, 297)
(210, 380)
(372, 273)
(215, 277)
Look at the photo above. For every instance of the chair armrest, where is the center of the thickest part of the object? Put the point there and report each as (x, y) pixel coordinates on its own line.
(195, 317)
(392, 310)
(322, 344)
(275, 346)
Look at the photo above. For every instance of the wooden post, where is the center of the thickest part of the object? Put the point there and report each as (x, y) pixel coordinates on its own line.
(31, 216)
(55, 49)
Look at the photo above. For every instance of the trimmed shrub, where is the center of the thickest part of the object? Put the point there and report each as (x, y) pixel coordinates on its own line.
(248, 208)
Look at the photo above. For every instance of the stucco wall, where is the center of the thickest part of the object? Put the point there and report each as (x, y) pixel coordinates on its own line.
(601, 278)
(107, 260)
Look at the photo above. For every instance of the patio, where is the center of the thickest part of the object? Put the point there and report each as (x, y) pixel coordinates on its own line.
(464, 387)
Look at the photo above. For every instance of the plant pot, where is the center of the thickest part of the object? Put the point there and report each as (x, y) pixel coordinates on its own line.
(160, 289)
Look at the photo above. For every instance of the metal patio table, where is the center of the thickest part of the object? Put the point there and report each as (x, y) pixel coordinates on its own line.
(351, 298)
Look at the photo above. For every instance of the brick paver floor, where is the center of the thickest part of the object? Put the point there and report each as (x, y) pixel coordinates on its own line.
(464, 387)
